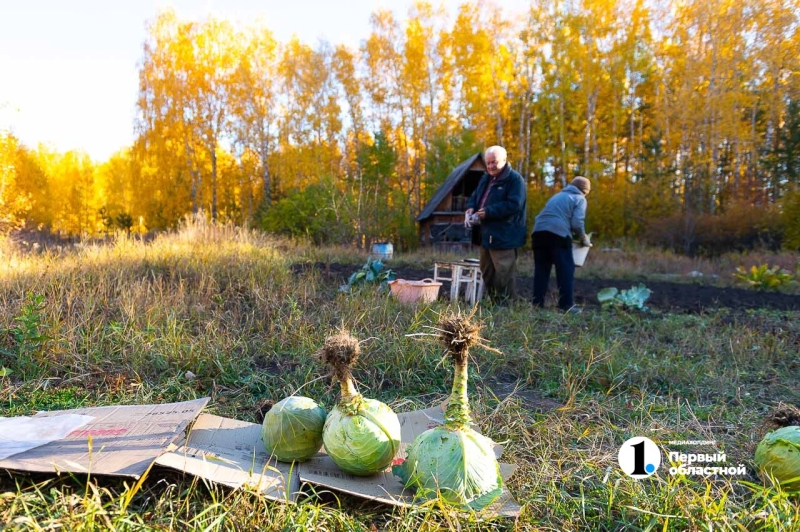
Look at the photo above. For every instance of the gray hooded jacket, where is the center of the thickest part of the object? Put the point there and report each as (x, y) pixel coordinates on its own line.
(564, 214)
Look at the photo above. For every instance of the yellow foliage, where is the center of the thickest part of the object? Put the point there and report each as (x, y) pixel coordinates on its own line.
(230, 120)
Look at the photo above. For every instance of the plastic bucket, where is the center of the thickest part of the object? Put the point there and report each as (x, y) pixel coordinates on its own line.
(383, 250)
(424, 291)
(579, 254)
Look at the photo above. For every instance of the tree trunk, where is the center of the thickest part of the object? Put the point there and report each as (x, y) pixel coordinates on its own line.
(587, 137)
(214, 183)
(266, 179)
(195, 174)
(563, 141)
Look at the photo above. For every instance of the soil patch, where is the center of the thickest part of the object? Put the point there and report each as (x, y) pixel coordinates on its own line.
(529, 398)
(666, 296)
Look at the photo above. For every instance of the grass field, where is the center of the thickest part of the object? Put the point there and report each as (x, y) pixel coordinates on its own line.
(124, 323)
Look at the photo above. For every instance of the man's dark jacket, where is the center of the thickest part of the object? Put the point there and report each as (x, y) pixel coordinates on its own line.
(504, 224)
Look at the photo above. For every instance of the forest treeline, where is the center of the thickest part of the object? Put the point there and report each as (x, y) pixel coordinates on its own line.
(685, 115)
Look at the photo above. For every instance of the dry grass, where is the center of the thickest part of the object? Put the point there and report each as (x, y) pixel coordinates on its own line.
(123, 323)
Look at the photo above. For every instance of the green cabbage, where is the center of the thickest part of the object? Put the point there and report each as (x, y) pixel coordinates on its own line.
(292, 429)
(360, 435)
(607, 294)
(633, 298)
(778, 455)
(458, 464)
(453, 460)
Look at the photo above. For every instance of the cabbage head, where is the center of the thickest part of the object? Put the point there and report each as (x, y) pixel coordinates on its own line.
(454, 461)
(292, 429)
(361, 435)
(778, 455)
(457, 463)
(633, 298)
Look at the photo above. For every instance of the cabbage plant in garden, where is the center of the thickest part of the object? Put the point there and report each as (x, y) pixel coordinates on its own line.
(633, 298)
(292, 429)
(361, 435)
(778, 455)
(371, 273)
(453, 460)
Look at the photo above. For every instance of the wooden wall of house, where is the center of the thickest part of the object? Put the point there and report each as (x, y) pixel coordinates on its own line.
(446, 204)
(453, 224)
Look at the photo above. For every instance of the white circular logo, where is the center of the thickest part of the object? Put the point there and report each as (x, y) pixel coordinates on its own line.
(639, 457)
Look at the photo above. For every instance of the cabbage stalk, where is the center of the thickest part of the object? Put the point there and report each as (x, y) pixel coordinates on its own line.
(453, 460)
(292, 429)
(362, 436)
(778, 455)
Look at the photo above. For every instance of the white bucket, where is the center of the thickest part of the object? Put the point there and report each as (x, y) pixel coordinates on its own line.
(383, 250)
(579, 254)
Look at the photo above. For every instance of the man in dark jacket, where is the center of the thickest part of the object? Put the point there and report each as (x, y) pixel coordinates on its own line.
(497, 210)
(562, 217)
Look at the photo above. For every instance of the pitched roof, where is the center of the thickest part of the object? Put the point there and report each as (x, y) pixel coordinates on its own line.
(448, 185)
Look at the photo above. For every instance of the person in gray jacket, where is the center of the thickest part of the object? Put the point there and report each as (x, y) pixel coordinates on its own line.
(562, 217)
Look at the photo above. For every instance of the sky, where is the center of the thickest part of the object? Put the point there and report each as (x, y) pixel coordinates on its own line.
(69, 68)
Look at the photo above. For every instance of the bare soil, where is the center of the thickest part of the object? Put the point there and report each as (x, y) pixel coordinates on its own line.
(666, 296)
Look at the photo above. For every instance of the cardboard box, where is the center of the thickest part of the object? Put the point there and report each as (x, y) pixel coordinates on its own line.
(385, 487)
(230, 452)
(120, 440)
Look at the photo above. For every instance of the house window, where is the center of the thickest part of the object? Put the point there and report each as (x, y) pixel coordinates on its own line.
(464, 189)
(450, 232)
(460, 203)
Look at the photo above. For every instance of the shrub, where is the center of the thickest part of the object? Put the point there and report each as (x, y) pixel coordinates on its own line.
(790, 218)
(741, 227)
(307, 213)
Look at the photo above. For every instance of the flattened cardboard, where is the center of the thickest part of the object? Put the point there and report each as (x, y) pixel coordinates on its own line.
(230, 452)
(21, 433)
(385, 487)
(125, 440)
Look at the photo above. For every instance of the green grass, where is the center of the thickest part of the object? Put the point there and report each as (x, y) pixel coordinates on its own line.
(122, 324)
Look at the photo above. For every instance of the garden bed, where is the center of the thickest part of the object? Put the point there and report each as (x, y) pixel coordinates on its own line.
(666, 296)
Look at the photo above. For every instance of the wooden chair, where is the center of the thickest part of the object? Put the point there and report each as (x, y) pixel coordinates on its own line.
(465, 274)
(469, 276)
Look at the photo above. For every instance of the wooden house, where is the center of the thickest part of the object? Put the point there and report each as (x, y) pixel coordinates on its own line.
(441, 222)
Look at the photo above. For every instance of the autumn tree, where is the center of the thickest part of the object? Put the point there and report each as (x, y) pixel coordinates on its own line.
(676, 110)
